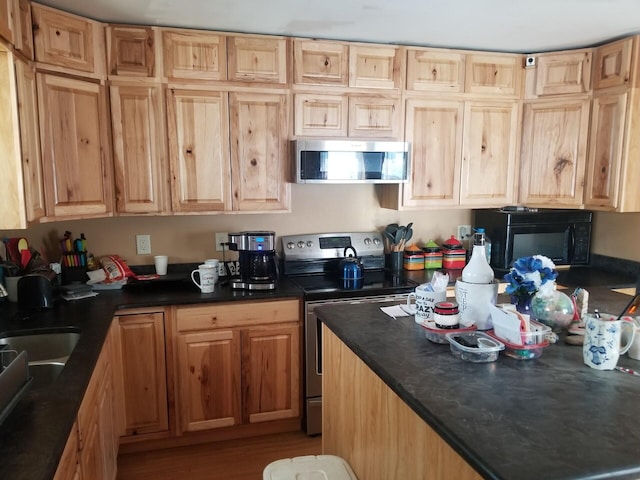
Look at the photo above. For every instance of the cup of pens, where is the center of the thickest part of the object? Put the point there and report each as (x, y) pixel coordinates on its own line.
(74, 258)
(606, 338)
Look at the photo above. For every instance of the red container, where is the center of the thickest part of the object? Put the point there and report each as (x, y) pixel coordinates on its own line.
(454, 256)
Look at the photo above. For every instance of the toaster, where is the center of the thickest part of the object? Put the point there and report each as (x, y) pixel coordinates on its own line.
(36, 291)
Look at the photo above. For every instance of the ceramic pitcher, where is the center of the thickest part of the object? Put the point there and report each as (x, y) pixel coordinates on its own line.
(603, 340)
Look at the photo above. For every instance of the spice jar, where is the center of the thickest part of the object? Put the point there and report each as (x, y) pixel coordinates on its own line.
(454, 255)
(413, 258)
(446, 315)
(432, 255)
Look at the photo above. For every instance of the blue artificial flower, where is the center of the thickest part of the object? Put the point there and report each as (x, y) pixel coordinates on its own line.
(528, 274)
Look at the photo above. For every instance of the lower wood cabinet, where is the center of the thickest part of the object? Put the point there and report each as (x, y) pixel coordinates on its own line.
(69, 465)
(238, 363)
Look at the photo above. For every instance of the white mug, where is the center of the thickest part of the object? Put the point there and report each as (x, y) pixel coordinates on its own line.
(474, 300)
(207, 278)
(602, 340)
(634, 350)
(425, 302)
(212, 262)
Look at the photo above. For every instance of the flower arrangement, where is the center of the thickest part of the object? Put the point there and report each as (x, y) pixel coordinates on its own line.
(530, 275)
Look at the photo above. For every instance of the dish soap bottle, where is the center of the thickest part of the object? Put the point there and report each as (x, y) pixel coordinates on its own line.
(478, 269)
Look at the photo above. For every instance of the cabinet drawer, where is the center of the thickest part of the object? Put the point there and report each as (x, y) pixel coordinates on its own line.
(225, 315)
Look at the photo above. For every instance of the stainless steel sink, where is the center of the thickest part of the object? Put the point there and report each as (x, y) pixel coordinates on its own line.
(47, 352)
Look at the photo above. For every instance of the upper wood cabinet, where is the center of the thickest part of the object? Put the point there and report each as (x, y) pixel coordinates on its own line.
(23, 35)
(317, 62)
(68, 41)
(30, 141)
(76, 152)
(194, 55)
(612, 64)
(321, 115)
(139, 148)
(7, 19)
(198, 131)
(553, 153)
(375, 117)
(376, 66)
(260, 157)
(435, 70)
(494, 74)
(258, 59)
(131, 51)
(141, 372)
(489, 153)
(559, 73)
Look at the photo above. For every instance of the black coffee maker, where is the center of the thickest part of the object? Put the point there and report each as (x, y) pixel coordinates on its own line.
(258, 260)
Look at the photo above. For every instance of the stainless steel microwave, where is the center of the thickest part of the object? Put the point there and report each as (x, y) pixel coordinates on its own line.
(350, 161)
(562, 235)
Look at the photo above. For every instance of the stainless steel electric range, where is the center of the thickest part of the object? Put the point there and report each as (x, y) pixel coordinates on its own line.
(311, 261)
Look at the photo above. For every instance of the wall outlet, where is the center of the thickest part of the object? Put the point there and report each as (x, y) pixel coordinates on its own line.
(464, 232)
(220, 239)
(143, 244)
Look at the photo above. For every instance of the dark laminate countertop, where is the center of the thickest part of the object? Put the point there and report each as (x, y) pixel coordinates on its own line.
(33, 436)
(550, 418)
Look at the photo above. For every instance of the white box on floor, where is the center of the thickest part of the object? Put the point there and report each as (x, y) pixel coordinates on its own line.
(309, 467)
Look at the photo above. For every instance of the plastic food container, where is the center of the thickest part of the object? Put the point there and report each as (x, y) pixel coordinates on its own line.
(521, 352)
(438, 335)
(475, 347)
(522, 345)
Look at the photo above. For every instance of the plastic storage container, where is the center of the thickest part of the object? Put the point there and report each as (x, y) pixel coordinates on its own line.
(522, 345)
(475, 347)
(438, 335)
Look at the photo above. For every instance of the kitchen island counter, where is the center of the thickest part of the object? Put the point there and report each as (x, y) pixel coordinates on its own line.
(551, 418)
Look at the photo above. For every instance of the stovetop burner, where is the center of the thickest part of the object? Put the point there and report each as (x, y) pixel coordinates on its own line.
(374, 282)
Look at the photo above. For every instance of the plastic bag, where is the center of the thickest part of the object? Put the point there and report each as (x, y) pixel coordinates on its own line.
(115, 268)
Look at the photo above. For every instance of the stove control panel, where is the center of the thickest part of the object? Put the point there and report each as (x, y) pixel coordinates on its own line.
(330, 245)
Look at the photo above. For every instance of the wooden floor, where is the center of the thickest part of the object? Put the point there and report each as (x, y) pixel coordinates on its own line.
(243, 459)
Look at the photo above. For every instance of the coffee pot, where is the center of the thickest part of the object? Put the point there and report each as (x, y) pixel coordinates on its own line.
(350, 270)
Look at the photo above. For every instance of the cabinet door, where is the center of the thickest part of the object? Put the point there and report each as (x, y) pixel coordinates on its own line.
(434, 129)
(606, 150)
(489, 150)
(30, 141)
(435, 70)
(612, 64)
(209, 379)
(561, 73)
(323, 115)
(75, 147)
(66, 40)
(258, 59)
(493, 74)
(6, 19)
(553, 153)
(194, 55)
(68, 467)
(320, 63)
(139, 149)
(271, 373)
(23, 37)
(374, 117)
(259, 151)
(142, 372)
(131, 51)
(375, 66)
(198, 131)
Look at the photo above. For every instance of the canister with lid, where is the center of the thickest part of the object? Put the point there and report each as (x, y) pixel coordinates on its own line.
(413, 258)
(454, 255)
(432, 255)
(446, 315)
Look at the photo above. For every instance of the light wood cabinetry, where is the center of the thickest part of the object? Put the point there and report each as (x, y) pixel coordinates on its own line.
(376, 66)
(198, 132)
(489, 153)
(559, 73)
(30, 141)
(7, 19)
(23, 34)
(141, 373)
(75, 147)
(97, 432)
(238, 363)
(69, 465)
(612, 64)
(318, 62)
(553, 153)
(139, 148)
(321, 115)
(131, 51)
(435, 70)
(259, 126)
(375, 116)
(494, 74)
(193, 55)
(68, 41)
(258, 59)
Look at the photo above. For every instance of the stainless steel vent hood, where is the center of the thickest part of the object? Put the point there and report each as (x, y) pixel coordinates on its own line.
(350, 161)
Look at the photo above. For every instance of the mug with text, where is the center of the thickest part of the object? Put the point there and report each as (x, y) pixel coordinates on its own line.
(603, 340)
(425, 301)
(208, 275)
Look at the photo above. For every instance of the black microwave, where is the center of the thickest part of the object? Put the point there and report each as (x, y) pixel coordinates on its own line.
(562, 235)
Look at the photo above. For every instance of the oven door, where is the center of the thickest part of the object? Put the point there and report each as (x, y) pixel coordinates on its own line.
(313, 355)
